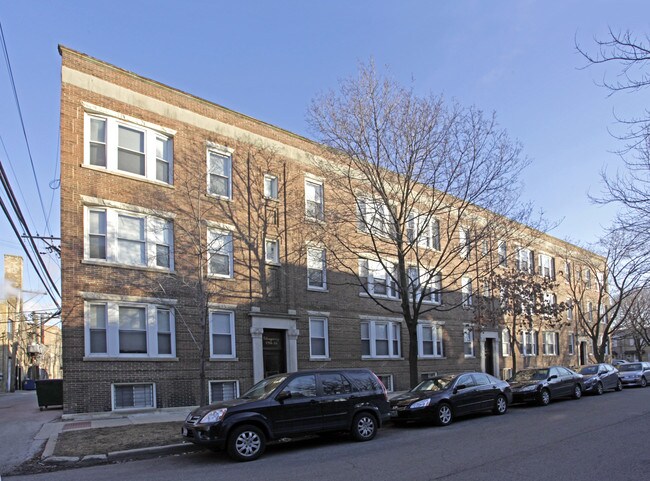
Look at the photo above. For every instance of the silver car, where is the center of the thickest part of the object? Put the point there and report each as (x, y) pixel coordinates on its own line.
(634, 373)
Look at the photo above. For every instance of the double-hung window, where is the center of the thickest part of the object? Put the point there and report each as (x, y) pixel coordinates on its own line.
(430, 341)
(128, 329)
(569, 310)
(546, 266)
(502, 251)
(525, 260)
(133, 148)
(465, 242)
(425, 231)
(529, 343)
(220, 253)
(270, 187)
(316, 268)
(223, 391)
(222, 334)
(505, 342)
(425, 284)
(272, 251)
(318, 338)
(468, 340)
(373, 217)
(550, 343)
(377, 278)
(128, 238)
(220, 173)
(314, 200)
(466, 292)
(380, 339)
(134, 396)
(572, 343)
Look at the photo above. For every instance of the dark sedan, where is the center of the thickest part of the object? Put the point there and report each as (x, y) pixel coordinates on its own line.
(540, 385)
(442, 398)
(599, 378)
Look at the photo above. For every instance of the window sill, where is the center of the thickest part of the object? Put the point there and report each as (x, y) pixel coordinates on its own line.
(318, 359)
(218, 197)
(378, 296)
(273, 263)
(220, 277)
(432, 357)
(315, 220)
(318, 289)
(130, 358)
(381, 358)
(98, 262)
(223, 359)
(470, 356)
(140, 178)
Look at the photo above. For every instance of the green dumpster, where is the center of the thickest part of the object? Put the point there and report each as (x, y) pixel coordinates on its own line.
(49, 393)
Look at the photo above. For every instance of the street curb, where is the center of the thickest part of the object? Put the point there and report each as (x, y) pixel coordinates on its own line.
(153, 451)
(126, 454)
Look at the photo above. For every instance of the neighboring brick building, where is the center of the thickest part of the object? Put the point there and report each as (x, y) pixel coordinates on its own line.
(158, 186)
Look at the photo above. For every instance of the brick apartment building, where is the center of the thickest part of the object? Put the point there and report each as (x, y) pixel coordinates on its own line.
(176, 210)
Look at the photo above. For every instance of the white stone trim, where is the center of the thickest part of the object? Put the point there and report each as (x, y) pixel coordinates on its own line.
(97, 202)
(96, 109)
(98, 296)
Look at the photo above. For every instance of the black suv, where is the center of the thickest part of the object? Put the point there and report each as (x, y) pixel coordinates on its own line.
(290, 405)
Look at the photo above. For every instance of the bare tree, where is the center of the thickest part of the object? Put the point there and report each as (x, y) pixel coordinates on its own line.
(604, 289)
(630, 188)
(215, 240)
(524, 303)
(636, 326)
(418, 186)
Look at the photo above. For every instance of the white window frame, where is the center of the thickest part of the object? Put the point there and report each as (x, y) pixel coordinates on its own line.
(433, 293)
(569, 310)
(373, 217)
(233, 343)
(226, 153)
(268, 257)
(323, 268)
(222, 381)
(271, 186)
(373, 270)
(465, 242)
(550, 343)
(113, 329)
(428, 236)
(390, 386)
(529, 343)
(468, 340)
(325, 323)
(466, 292)
(320, 214)
(502, 253)
(546, 266)
(571, 344)
(226, 249)
(393, 330)
(437, 339)
(151, 137)
(525, 260)
(505, 343)
(153, 226)
(133, 384)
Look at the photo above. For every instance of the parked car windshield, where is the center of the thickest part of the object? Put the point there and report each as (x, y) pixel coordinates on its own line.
(262, 389)
(531, 375)
(635, 366)
(434, 384)
(589, 370)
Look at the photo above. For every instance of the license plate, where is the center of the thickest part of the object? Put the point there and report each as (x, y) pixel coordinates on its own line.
(184, 431)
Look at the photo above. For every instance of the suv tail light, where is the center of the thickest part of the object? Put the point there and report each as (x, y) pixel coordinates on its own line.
(383, 388)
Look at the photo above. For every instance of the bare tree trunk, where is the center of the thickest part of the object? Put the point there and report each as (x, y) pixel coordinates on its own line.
(413, 355)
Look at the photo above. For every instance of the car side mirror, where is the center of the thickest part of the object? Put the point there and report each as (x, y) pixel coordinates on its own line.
(283, 396)
(554, 376)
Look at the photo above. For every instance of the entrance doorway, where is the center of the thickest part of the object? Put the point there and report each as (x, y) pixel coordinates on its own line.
(489, 356)
(583, 353)
(274, 351)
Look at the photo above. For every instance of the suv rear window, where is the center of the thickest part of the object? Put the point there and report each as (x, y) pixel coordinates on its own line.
(363, 380)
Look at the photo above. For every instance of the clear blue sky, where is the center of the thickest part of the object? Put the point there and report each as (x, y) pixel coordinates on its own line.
(268, 59)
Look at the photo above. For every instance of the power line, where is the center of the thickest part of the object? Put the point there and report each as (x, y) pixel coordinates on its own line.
(22, 123)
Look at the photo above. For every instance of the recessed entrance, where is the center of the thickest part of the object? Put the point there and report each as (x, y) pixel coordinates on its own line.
(489, 356)
(274, 351)
(583, 353)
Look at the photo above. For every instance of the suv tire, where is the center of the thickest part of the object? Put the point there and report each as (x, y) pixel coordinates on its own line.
(246, 443)
(364, 427)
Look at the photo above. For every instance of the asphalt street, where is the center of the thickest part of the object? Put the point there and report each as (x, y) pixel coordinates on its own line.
(596, 437)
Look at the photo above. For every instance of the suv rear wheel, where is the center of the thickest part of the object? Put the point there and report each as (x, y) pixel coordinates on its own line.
(364, 427)
(246, 443)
